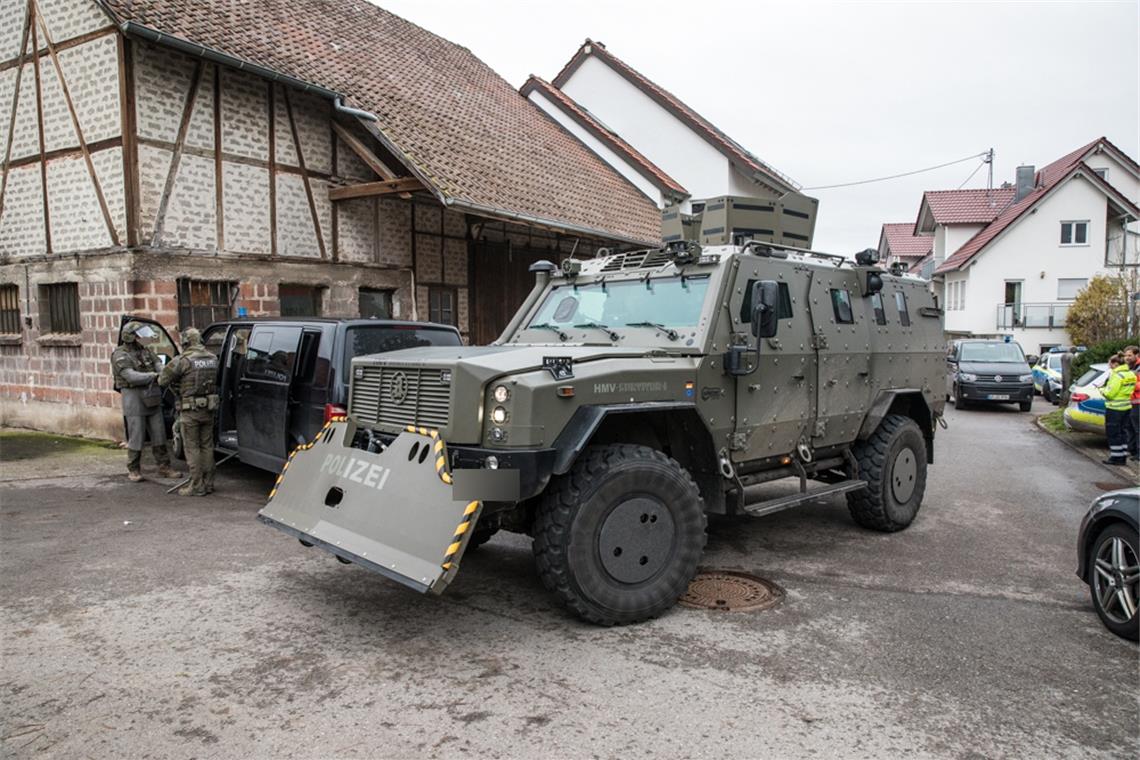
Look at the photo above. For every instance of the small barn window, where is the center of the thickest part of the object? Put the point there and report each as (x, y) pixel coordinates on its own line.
(441, 305)
(202, 302)
(375, 303)
(9, 309)
(59, 308)
(299, 300)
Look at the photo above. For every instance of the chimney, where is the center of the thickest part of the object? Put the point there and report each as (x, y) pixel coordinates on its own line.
(1024, 182)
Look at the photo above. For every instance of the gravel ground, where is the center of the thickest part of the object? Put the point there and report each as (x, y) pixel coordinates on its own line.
(140, 625)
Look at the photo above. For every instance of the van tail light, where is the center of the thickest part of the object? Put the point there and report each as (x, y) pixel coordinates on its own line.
(334, 410)
(1079, 397)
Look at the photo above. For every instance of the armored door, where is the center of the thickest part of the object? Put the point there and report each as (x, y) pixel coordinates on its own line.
(264, 395)
(775, 403)
(843, 356)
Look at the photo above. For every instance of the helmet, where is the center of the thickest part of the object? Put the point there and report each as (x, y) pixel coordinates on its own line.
(191, 337)
(130, 330)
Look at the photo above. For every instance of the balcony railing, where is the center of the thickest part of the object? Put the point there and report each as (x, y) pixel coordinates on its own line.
(1027, 315)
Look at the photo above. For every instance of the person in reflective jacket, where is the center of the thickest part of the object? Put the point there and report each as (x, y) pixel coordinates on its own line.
(135, 369)
(1117, 393)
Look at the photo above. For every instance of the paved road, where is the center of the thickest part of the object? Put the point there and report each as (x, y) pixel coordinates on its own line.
(135, 625)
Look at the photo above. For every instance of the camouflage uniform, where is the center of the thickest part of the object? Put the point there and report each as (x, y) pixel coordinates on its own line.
(193, 375)
(135, 368)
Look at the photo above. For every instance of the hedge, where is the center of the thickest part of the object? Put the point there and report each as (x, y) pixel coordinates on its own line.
(1099, 352)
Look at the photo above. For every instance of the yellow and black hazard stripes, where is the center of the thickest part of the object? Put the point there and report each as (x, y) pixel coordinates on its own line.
(302, 447)
(457, 539)
(439, 448)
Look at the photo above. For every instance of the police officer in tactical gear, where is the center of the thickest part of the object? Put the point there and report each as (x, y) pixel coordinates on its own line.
(135, 369)
(193, 375)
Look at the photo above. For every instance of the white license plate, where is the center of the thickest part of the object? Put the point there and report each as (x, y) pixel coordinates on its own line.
(998, 397)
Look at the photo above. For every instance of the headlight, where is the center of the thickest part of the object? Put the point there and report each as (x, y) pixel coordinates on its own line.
(1025, 378)
(502, 394)
(969, 377)
(498, 415)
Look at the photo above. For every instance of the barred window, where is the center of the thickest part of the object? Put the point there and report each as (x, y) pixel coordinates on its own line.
(9, 309)
(299, 300)
(203, 302)
(59, 308)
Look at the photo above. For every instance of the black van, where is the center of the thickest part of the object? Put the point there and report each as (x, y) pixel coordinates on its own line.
(281, 378)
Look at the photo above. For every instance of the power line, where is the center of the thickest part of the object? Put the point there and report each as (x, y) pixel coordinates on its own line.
(897, 176)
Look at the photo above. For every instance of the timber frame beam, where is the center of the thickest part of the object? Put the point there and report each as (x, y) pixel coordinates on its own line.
(403, 187)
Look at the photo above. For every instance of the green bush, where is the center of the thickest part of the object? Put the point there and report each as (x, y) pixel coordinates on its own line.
(1100, 352)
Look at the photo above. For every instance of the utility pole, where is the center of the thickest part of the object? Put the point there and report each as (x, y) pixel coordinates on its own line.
(989, 159)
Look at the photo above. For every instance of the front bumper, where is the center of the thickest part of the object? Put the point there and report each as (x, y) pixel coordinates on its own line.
(983, 392)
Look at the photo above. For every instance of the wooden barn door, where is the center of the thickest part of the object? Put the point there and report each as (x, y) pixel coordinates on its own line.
(499, 284)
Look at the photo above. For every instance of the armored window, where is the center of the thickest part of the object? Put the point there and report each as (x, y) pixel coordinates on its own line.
(299, 300)
(375, 303)
(441, 305)
(880, 310)
(9, 309)
(1074, 233)
(900, 303)
(59, 308)
(841, 305)
(203, 302)
(784, 310)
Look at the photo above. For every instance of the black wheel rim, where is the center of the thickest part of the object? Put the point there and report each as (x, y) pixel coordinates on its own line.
(1116, 577)
(636, 539)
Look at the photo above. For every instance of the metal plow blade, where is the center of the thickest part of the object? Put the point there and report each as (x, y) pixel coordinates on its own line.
(390, 512)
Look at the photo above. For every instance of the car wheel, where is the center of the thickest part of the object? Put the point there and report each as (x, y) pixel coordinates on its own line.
(618, 538)
(1047, 394)
(1025, 406)
(893, 462)
(1114, 580)
(959, 402)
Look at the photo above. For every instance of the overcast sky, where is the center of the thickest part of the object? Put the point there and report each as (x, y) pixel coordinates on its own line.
(831, 93)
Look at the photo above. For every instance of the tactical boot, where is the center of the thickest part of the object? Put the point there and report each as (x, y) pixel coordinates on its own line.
(186, 490)
(134, 476)
(166, 471)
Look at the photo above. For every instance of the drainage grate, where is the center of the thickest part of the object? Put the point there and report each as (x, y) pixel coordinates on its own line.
(731, 591)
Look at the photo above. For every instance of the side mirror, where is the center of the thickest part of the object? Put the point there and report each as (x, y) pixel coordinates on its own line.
(765, 308)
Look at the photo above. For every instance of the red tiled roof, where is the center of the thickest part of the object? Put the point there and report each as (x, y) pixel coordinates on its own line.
(977, 206)
(1057, 174)
(645, 167)
(699, 124)
(904, 243)
(455, 123)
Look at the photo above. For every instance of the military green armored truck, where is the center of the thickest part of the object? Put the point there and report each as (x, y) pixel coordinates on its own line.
(631, 396)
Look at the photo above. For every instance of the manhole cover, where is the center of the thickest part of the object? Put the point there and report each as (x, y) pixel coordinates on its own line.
(731, 591)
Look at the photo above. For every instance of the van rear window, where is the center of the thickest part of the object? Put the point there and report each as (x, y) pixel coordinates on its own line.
(368, 339)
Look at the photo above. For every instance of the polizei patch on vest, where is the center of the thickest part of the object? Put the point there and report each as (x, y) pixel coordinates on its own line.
(642, 387)
(355, 470)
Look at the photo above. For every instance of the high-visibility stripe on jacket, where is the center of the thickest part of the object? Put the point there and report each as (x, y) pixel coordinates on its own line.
(1118, 389)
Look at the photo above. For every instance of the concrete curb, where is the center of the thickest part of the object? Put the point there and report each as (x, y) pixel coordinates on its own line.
(1117, 472)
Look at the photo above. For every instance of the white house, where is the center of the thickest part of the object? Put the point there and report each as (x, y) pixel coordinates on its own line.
(899, 245)
(1010, 261)
(664, 148)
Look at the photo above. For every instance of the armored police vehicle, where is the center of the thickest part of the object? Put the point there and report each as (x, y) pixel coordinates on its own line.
(631, 396)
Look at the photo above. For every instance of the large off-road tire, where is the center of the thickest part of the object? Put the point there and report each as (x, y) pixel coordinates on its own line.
(618, 538)
(893, 462)
(1113, 585)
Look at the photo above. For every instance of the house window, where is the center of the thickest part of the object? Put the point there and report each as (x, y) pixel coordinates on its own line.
(202, 302)
(841, 305)
(441, 305)
(900, 303)
(1102, 173)
(1074, 233)
(9, 309)
(299, 300)
(59, 308)
(375, 303)
(1069, 287)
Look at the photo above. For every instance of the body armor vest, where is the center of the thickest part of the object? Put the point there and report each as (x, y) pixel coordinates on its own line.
(200, 376)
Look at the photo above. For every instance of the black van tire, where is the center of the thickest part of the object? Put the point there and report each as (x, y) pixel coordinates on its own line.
(893, 463)
(619, 537)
